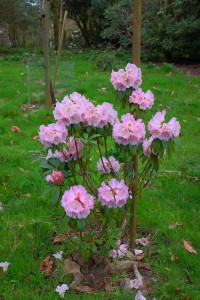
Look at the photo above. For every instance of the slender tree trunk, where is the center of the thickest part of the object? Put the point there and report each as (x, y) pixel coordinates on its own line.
(55, 7)
(12, 35)
(137, 16)
(137, 11)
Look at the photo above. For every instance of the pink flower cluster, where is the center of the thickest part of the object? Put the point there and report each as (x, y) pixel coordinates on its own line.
(108, 165)
(71, 152)
(77, 203)
(130, 131)
(161, 130)
(115, 194)
(75, 109)
(56, 177)
(128, 78)
(52, 134)
(144, 100)
(120, 252)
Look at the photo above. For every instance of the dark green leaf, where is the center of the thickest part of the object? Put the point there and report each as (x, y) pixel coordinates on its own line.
(80, 223)
(55, 195)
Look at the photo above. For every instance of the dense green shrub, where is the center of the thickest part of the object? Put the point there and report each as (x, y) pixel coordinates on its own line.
(170, 28)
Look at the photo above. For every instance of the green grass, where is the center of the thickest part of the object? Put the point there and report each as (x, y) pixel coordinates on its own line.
(29, 220)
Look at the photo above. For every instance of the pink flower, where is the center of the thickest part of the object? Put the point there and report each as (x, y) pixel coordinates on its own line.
(147, 146)
(120, 252)
(77, 203)
(63, 155)
(74, 147)
(4, 266)
(144, 100)
(128, 78)
(107, 115)
(110, 164)
(91, 116)
(71, 153)
(130, 131)
(71, 110)
(56, 177)
(113, 253)
(115, 194)
(134, 76)
(52, 134)
(161, 130)
(61, 289)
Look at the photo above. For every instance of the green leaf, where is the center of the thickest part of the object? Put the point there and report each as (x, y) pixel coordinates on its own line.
(94, 248)
(156, 145)
(80, 223)
(176, 141)
(99, 242)
(95, 136)
(55, 195)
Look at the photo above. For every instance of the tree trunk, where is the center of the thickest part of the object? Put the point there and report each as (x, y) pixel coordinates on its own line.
(55, 8)
(137, 16)
(12, 35)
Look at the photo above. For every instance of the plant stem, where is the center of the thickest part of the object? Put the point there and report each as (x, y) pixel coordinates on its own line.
(133, 204)
(101, 155)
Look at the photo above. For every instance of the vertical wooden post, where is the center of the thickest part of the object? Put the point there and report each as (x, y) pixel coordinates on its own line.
(137, 13)
(48, 101)
(60, 20)
(60, 48)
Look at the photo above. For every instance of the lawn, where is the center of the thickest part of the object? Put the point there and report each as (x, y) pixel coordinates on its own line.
(29, 220)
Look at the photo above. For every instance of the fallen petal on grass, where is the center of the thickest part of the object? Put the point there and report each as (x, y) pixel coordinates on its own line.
(61, 290)
(15, 129)
(58, 255)
(139, 296)
(172, 226)
(188, 247)
(4, 265)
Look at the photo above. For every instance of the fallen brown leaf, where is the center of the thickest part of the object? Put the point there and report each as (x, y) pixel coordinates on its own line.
(23, 170)
(142, 265)
(46, 266)
(140, 256)
(103, 89)
(84, 289)
(188, 247)
(35, 137)
(15, 129)
(60, 238)
(172, 226)
(185, 297)
(47, 117)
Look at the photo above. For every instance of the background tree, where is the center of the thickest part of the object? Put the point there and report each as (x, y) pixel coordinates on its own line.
(89, 17)
(19, 16)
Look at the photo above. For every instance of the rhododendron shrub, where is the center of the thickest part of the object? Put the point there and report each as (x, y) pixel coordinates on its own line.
(95, 184)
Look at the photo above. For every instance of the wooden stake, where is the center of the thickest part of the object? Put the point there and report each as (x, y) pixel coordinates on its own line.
(48, 101)
(59, 49)
(60, 20)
